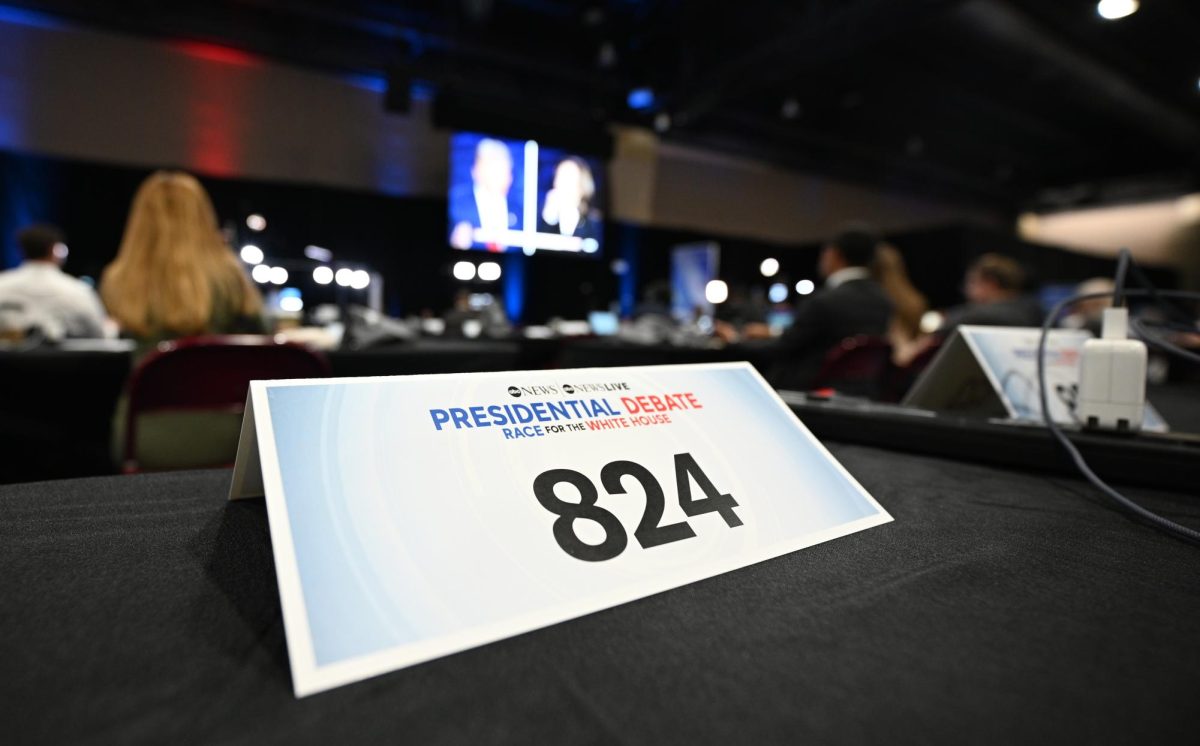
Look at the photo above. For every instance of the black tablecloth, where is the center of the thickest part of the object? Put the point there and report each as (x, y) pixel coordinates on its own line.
(998, 607)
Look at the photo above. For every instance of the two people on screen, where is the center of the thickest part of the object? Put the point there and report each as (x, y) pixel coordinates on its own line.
(483, 212)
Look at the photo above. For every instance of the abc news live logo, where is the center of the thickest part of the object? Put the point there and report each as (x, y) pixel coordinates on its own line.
(568, 389)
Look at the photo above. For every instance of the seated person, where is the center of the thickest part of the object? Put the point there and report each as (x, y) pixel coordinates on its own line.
(850, 303)
(994, 289)
(39, 296)
(174, 275)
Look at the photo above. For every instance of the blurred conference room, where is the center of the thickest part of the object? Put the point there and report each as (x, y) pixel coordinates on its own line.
(847, 195)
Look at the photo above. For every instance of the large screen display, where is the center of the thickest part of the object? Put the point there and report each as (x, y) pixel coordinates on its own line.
(515, 195)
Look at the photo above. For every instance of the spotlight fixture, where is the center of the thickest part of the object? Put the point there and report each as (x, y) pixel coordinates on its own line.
(805, 287)
(1112, 10)
(777, 293)
(279, 275)
(256, 222)
(489, 271)
(769, 267)
(322, 275)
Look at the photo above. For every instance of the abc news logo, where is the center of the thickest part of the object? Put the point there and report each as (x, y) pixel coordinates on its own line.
(517, 392)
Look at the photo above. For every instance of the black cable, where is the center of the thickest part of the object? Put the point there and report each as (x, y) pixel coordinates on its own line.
(1162, 523)
(1154, 340)
(1124, 259)
(1156, 295)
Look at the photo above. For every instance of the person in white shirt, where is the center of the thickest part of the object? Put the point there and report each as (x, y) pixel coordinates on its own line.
(39, 296)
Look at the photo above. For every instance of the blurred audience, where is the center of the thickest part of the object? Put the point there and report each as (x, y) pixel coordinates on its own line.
(38, 297)
(994, 287)
(174, 275)
(850, 303)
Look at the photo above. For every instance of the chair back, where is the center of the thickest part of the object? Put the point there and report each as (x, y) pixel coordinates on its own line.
(856, 366)
(209, 374)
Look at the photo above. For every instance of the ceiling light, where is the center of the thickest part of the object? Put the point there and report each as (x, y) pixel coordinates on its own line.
(261, 274)
(279, 275)
(769, 267)
(805, 287)
(322, 275)
(1111, 10)
(256, 222)
(777, 293)
(344, 277)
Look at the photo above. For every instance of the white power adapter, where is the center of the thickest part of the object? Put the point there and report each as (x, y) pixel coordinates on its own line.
(1112, 377)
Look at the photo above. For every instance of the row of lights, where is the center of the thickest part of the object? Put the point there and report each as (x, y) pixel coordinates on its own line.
(344, 277)
(467, 271)
(717, 291)
(357, 279)
(777, 293)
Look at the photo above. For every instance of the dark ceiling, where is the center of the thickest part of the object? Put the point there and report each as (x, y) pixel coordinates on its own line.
(1008, 103)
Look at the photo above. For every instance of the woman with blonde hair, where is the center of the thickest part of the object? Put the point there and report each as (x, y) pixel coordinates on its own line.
(174, 275)
(908, 304)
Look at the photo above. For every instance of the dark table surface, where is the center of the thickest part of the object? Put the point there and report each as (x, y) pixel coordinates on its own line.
(426, 356)
(1000, 607)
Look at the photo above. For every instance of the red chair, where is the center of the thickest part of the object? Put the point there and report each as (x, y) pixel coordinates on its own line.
(856, 366)
(209, 374)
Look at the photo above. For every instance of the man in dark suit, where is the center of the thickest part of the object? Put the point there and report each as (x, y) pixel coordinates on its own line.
(994, 287)
(481, 212)
(850, 303)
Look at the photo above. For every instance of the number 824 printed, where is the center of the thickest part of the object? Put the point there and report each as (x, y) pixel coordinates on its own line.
(649, 532)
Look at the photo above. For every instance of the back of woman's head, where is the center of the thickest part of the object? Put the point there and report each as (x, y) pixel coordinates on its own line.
(173, 266)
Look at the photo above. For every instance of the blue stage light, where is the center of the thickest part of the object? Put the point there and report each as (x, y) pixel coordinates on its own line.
(641, 99)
